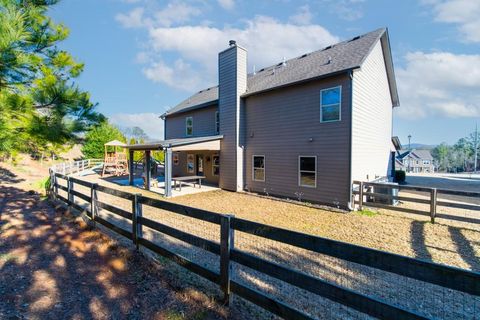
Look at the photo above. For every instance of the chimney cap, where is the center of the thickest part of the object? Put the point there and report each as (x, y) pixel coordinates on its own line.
(232, 42)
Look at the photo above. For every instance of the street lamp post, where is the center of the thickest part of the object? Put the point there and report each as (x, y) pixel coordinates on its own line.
(409, 149)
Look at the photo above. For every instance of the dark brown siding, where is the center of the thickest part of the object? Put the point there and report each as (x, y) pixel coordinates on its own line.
(180, 170)
(280, 124)
(203, 123)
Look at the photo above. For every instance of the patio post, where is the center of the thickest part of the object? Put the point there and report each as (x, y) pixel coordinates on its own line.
(168, 171)
(148, 170)
(130, 167)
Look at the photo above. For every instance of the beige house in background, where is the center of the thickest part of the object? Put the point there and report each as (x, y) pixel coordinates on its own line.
(415, 161)
(306, 126)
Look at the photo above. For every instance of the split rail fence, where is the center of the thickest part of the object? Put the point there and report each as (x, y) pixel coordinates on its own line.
(73, 167)
(366, 190)
(463, 281)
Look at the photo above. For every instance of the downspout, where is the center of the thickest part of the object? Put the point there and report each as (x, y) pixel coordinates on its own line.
(351, 205)
(164, 118)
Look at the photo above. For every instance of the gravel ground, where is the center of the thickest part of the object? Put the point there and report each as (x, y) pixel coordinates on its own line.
(389, 231)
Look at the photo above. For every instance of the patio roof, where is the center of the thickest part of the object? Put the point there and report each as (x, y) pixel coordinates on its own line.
(197, 143)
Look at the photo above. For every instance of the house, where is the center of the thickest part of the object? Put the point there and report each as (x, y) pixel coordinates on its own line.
(416, 161)
(305, 127)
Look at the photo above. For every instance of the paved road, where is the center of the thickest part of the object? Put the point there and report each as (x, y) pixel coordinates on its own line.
(446, 181)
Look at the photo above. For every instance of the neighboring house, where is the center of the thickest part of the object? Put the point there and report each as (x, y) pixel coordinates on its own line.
(416, 161)
(304, 127)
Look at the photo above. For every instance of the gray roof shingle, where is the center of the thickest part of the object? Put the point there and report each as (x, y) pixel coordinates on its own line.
(333, 59)
(422, 154)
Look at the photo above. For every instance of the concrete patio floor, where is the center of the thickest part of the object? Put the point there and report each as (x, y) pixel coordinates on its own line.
(159, 187)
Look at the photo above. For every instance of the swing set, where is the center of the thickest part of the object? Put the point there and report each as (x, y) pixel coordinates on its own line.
(115, 160)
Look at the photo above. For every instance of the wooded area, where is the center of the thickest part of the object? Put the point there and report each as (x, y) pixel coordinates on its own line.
(459, 157)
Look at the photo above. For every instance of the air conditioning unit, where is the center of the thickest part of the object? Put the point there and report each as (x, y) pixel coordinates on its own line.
(387, 190)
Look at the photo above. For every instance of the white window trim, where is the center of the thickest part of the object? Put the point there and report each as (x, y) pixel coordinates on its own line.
(339, 105)
(264, 167)
(186, 127)
(214, 165)
(217, 122)
(299, 178)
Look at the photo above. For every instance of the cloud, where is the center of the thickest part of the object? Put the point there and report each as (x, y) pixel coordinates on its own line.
(464, 13)
(172, 14)
(149, 122)
(133, 19)
(439, 84)
(197, 47)
(302, 17)
(349, 10)
(175, 13)
(227, 4)
(179, 75)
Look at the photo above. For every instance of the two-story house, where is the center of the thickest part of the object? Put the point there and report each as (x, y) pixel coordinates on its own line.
(307, 126)
(416, 161)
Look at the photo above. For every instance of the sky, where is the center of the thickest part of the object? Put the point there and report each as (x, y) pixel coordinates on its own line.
(143, 57)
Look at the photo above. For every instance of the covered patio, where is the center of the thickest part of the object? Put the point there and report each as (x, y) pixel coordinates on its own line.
(207, 144)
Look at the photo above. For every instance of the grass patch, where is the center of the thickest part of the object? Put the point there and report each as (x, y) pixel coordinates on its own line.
(7, 257)
(173, 315)
(368, 213)
(41, 185)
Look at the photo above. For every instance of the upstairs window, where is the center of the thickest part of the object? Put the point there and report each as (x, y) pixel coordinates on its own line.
(189, 126)
(330, 102)
(426, 162)
(258, 168)
(217, 122)
(307, 171)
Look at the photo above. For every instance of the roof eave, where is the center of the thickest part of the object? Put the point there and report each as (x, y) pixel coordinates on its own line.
(328, 75)
(168, 143)
(387, 54)
(194, 107)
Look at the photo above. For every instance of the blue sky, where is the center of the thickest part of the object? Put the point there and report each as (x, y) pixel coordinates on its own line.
(144, 56)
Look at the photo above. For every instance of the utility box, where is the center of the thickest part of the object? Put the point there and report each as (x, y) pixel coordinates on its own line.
(387, 190)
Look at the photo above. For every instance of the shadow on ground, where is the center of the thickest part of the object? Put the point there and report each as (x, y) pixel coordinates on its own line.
(55, 267)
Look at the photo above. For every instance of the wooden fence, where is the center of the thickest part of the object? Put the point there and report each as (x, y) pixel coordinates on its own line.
(447, 277)
(366, 190)
(67, 168)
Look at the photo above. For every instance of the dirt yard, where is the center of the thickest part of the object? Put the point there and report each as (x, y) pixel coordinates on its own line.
(413, 236)
(451, 243)
(53, 266)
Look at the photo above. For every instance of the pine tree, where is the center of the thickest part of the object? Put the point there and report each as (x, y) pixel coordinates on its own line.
(40, 105)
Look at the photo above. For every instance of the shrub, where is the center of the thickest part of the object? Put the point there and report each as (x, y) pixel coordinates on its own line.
(399, 176)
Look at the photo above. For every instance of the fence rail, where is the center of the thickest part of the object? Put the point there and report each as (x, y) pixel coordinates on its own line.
(360, 189)
(449, 277)
(67, 168)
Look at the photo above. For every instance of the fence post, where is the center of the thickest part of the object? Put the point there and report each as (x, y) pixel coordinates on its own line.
(433, 204)
(226, 244)
(69, 192)
(137, 229)
(360, 195)
(55, 190)
(93, 202)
